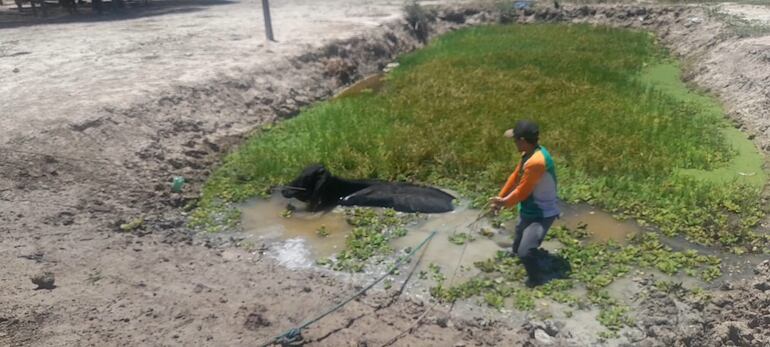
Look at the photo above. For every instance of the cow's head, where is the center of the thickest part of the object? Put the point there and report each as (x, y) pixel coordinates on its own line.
(305, 187)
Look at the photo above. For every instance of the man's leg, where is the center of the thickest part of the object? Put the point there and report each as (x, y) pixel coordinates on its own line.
(518, 234)
(531, 237)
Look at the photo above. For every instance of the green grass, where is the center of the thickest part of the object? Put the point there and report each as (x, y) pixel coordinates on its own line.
(620, 143)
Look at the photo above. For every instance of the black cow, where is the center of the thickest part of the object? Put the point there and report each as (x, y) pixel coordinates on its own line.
(321, 190)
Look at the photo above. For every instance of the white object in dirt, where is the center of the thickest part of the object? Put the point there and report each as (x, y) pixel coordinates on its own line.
(390, 67)
(543, 338)
(293, 254)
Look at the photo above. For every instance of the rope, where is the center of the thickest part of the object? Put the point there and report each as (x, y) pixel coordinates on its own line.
(470, 225)
(462, 253)
(409, 276)
(427, 310)
(416, 322)
(294, 335)
(410, 328)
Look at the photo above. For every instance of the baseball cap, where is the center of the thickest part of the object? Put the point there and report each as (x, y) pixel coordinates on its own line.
(524, 129)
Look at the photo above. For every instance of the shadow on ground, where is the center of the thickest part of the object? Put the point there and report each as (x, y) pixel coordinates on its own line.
(11, 17)
(552, 266)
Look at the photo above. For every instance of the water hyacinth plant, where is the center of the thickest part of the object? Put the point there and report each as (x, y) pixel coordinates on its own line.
(590, 266)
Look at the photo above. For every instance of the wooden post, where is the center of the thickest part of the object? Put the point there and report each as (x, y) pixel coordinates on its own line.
(268, 21)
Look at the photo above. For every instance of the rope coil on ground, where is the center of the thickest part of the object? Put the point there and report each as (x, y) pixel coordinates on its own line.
(294, 335)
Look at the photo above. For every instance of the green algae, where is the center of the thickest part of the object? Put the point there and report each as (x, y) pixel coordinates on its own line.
(746, 166)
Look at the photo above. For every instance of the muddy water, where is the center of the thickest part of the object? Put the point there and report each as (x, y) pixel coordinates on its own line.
(264, 219)
(601, 225)
(296, 242)
(447, 255)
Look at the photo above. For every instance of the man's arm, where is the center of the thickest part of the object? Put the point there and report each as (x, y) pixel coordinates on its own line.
(508, 187)
(533, 172)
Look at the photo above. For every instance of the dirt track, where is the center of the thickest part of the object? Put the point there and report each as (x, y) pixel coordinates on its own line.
(120, 106)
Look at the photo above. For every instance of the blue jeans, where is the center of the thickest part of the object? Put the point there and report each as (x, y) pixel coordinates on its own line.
(530, 233)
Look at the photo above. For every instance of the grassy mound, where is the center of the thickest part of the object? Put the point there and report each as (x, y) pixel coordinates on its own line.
(620, 141)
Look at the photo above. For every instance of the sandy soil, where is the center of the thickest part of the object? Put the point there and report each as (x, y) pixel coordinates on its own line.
(97, 117)
(748, 12)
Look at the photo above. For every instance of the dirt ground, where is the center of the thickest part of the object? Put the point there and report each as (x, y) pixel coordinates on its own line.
(98, 113)
(748, 12)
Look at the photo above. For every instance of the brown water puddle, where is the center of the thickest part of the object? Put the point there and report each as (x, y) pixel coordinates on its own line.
(296, 242)
(264, 219)
(373, 83)
(450, 257)
(601, 225)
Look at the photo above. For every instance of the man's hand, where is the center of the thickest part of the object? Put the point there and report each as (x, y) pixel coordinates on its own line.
(495, 204)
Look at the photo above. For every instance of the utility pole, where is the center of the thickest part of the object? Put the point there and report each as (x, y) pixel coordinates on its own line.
(268, 21)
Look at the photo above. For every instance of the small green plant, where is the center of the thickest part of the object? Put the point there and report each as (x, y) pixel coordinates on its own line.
(607, 335)
(322, 231)
(523, 299)
(435, 273)
(711, 273)
(699, 295)
(134, 224)
(494, 299)
(423, 275)
(670, 287)
(370, 238)
(461, 238)
(615, 317)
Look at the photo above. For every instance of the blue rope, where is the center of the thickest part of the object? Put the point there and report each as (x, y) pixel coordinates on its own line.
(294, 335)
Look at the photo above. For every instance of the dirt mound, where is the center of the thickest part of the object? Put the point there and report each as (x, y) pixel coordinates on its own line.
(740, 314)
(737, 315)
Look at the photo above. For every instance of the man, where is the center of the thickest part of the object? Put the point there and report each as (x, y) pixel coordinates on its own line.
(532, 187)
